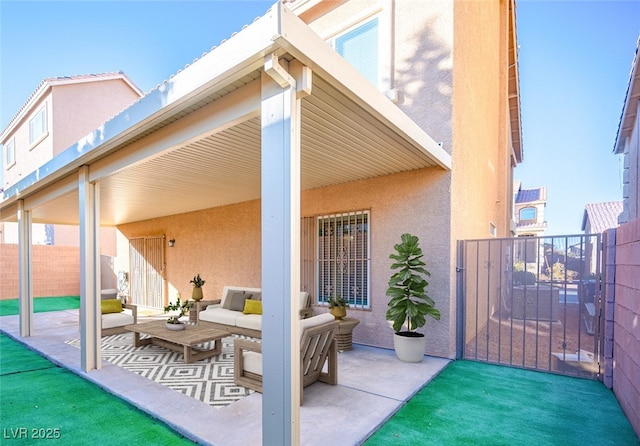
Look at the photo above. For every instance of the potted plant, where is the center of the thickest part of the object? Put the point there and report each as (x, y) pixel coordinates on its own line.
(181, 308)
(197, 282)
(338, 307)
(409, 304)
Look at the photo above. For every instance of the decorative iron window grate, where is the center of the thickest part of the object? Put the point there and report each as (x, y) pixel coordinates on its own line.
(343, 261)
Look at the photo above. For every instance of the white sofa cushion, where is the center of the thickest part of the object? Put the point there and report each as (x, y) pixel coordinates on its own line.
(111, 320)
(252, 321)
(252, 362)
(219, 315)
(315, 320)
(303, 299)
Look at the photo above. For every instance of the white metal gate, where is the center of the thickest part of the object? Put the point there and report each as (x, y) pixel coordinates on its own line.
(532, 302)
(147, 286)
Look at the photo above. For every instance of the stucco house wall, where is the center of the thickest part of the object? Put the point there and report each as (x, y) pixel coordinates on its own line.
(72, 119)
(223, 245)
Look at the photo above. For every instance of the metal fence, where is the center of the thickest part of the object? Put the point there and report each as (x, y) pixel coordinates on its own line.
(532, 302)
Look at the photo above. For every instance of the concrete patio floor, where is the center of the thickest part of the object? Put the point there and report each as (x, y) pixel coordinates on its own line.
(372, 385)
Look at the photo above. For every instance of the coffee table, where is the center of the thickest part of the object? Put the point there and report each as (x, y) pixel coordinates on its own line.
(182, 341)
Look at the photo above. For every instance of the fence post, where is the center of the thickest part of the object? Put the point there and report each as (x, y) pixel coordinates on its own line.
(608, 302)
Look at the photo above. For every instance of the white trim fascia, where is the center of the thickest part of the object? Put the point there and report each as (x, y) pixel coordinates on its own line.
(628, 105)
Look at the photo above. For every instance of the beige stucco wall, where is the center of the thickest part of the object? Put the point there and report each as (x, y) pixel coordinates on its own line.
(480, 190)
(73, 119)
(224, 244)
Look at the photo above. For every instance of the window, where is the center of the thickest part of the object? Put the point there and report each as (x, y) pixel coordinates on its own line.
(343, 261)
(359, 47)
(493, 231)
(528, 213)
(10, 153)
(38, 126)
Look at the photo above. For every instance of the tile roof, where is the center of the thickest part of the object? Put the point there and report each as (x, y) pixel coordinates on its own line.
(530, 195)
(601, 216)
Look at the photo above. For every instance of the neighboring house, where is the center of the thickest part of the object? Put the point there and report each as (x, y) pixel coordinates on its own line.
(54, 117)
(274, 128)
(529, 210)
(57, 114)
(628, 143)
(597, 218)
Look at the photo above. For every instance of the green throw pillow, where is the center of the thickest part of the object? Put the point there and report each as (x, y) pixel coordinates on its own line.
(111, 306)
(252, 306)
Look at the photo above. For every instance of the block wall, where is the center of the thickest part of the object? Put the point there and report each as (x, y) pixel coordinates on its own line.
(626, 327)
(56, 271)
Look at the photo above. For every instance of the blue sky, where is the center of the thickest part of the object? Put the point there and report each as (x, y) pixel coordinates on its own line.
(575, 59)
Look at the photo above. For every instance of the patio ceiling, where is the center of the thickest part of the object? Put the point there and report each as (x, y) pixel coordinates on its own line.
(195, 142)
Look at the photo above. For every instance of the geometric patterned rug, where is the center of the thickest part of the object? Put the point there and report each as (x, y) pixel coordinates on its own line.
(209, 380)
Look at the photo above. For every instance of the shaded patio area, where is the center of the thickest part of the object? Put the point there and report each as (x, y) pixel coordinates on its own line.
(368, 391)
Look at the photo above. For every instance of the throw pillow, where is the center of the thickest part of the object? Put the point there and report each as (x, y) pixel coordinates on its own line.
(252, 306)
(111, 306)
(237, 301)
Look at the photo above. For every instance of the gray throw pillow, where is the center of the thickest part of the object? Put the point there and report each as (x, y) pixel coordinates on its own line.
(237, 301)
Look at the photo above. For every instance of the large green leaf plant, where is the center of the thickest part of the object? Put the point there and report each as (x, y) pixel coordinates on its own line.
(409, 302)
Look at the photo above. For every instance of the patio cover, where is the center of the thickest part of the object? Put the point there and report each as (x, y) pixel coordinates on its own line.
(269, 112)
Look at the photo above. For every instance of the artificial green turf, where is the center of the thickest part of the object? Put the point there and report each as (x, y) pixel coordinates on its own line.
(42, 400)
(472, 403)
(10, 307)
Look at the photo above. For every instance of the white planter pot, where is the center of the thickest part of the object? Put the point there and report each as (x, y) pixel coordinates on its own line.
(409, 349)
(174, 327)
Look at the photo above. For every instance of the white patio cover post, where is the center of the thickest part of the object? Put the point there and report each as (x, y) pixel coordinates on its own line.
(280, 114)
(90, 323)
(25, 269)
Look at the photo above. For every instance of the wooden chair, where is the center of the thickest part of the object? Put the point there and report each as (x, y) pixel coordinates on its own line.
(317, 347)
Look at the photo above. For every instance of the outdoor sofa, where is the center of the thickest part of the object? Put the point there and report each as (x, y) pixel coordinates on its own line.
(239, 311)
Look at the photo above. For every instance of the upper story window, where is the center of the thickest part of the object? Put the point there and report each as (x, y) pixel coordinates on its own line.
(10, 153)
(360, 47)
(38, 126)
(528, 213)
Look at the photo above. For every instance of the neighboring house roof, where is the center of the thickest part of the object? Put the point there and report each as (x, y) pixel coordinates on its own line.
(601, 216)
(532, 226)
(531, 195)
(49, 82)
(630, 108)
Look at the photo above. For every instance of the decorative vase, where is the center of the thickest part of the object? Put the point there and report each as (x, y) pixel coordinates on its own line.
(410, 348)
(197, 293)
(175, 327)
(338, 312)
